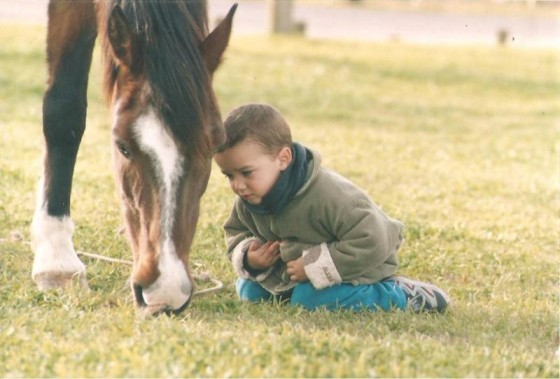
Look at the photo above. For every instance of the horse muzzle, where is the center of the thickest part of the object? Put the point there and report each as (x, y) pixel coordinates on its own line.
(163, 297)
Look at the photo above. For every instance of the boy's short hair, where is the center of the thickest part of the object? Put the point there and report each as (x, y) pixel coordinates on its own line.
(260, 123)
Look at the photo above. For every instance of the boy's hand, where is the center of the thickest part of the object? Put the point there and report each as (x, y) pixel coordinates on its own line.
(260, 257)
(296, 271)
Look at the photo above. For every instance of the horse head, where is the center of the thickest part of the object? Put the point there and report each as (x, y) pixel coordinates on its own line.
(166, 123)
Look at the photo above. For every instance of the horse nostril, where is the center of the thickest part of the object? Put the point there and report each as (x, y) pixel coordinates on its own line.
(138, 297)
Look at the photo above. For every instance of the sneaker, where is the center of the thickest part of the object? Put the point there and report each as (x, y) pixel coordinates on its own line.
(422, 297)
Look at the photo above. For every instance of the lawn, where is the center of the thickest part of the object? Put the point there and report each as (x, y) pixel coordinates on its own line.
(460, 143)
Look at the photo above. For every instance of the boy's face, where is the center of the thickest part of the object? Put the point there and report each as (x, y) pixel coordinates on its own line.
(251, 171)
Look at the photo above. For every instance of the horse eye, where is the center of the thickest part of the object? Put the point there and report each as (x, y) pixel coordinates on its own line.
(123, 149)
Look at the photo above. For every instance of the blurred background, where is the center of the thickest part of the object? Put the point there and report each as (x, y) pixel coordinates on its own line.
(522, 23)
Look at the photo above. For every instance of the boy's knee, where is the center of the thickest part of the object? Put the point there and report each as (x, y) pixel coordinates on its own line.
(302, 292)
(251, 291)
(306, 296)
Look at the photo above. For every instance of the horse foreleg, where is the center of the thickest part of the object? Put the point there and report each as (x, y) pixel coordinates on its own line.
(70, 41)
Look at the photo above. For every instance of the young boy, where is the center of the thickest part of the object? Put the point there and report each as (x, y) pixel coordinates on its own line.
(301, 232)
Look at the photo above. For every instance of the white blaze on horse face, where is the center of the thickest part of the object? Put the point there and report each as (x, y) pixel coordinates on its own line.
(173, 287)
(154, 139)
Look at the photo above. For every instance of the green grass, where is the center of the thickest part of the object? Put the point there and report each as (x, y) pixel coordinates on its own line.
(459, 143)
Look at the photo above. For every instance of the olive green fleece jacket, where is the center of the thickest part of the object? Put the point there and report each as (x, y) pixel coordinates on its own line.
(341, 234)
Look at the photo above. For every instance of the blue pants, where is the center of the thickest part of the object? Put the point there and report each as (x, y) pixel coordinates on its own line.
(381, 295)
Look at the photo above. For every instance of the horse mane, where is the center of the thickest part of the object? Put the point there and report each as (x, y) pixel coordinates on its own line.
(170, 33)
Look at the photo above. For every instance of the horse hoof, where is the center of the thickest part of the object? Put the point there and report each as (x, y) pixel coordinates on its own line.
(52, 280)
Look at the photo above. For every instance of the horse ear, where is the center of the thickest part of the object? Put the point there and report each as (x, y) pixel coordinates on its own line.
(215, 43)
(120, 37)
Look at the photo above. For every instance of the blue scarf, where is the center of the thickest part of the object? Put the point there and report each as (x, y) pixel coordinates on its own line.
(287, 185)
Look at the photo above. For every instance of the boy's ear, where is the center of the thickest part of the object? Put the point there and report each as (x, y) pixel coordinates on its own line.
(285, 157)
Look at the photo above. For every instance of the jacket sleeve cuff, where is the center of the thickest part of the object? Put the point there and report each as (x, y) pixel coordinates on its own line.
(319, 267)
(237, 258)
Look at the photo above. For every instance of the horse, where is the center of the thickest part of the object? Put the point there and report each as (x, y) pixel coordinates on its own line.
(158, 63)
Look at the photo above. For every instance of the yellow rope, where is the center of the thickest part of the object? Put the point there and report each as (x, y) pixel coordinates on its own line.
(16, 237)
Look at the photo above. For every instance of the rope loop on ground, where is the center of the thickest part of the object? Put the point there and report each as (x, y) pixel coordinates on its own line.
(16, 237)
